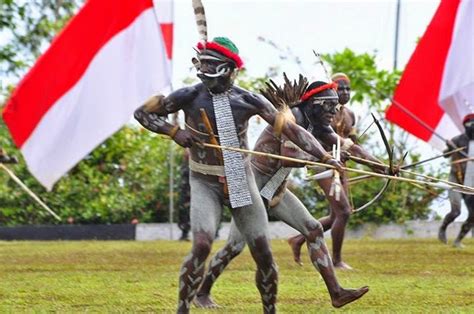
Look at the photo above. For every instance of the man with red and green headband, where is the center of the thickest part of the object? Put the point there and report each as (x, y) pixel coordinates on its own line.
(216, 111)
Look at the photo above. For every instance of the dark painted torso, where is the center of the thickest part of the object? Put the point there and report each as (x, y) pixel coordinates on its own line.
(241, 111)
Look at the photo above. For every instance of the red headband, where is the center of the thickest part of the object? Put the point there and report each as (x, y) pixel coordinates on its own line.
(222, 50)
(316, 90)
(468, 117)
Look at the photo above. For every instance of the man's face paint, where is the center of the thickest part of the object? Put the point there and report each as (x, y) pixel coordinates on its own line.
(217, 76)
(469, 126)
(343, 91)
(321, 110)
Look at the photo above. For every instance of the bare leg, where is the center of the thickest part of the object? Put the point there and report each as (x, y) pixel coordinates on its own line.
(295, 243)
(292, 212)
(234, 246)
(206, 209)
(468, 224)
(266, 277)
(337, 221)
(321, 260)
(252, 222)
(455, 200)
(192, 270)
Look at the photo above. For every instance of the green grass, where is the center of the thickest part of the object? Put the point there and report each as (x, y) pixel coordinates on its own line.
(416, 276)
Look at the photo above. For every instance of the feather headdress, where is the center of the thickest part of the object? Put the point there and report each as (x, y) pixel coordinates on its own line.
(287, 96)
(201, 22)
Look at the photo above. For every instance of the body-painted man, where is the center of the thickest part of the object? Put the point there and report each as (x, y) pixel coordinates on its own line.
(340, 211)
(222, 178)
(318, 102)
(462, 172)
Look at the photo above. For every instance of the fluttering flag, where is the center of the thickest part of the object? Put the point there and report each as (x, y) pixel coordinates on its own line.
(104, 64)
(437, 86)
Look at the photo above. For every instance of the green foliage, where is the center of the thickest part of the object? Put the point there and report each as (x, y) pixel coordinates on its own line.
(369, 83)
(126, 177)
(28, 26)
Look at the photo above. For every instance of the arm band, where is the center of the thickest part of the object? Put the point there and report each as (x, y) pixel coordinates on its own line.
(325, 158)
(278, 125)
(173, 131)
(347, 144)
(155, 104)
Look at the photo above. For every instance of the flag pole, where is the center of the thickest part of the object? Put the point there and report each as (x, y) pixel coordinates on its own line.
(397, 28)
(30, 193)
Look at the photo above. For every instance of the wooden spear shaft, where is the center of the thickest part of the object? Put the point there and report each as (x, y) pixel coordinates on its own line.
(213, 140)
(410, 172)
(314, 163)
(460, 161)
(27, 190)
(363, 177)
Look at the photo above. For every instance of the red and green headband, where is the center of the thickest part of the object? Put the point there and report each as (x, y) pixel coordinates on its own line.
(318, 89)
(468, 117)
(223, 51)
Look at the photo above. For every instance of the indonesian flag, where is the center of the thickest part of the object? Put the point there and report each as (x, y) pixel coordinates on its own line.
(105, 63)
(437, 85)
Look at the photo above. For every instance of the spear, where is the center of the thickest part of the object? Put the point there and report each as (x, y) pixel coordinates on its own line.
(27, 190)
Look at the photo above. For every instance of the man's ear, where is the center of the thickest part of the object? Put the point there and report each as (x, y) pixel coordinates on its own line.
(196, 63)
(234, 73)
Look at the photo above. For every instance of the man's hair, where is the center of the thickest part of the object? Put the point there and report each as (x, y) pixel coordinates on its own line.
(340, 76)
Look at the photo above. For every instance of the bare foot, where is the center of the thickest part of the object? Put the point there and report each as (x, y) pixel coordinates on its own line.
(442, 236)
(342, 265)
(346, 296)
(458, 244)
(205, 301)
(295, 243)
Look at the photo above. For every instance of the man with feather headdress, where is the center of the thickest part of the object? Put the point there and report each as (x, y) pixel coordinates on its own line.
(313, 108)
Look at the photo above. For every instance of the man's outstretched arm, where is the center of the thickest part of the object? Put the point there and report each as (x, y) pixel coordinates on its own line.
(298, 135)
(152, 115)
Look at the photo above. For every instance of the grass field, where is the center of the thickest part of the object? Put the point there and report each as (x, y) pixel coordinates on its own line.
(404, 276)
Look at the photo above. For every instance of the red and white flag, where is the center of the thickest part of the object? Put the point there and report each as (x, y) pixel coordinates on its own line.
(105, 63)
(437, 85)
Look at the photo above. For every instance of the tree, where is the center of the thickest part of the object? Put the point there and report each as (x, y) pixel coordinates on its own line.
(29, 26)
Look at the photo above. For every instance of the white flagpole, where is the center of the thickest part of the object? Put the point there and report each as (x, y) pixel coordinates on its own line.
(27, 190)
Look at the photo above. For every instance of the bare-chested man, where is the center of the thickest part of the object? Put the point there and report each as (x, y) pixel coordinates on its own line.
(462, 173)
(318, 102)
(212, 181)
(340, 211)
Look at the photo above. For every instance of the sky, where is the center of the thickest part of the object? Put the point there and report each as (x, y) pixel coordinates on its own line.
(303, 25)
